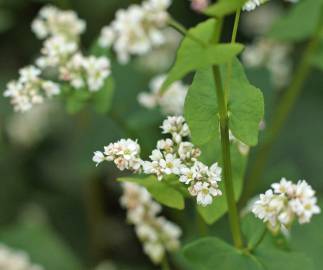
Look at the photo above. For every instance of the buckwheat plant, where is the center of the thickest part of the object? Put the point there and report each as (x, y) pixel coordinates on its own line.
(211, 123)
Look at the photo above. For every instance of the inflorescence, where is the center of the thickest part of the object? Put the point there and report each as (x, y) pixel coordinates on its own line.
(280, 206)
(157, 234)
(172, 156)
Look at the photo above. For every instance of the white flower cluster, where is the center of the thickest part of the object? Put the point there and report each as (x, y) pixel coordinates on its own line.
(157, 234)
(272, 55)
(125, 154)
(199, 5)
(29, 89)
(61, 52)
(137, 29)
(171, 102)
(173, 156)
(253, 4)
(284, 203)
(15, 260)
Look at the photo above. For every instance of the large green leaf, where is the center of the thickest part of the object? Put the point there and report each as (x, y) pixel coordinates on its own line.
(42, 245)
(245, 105)
(293, 26)
(165, 192)
(212, 253)
(192, 55)
(224, 7)
(252, 229)
(219, 207)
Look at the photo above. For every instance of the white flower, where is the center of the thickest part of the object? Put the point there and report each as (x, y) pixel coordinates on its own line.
(29, 89)
(199, 5)
(15, 260)
(171, 102)
(170, 165)
(176, 126)
(156, 233)
(252, 4)
(136, 30)
(98, 157)
(52, 21)
(204, 192)
(286, 202)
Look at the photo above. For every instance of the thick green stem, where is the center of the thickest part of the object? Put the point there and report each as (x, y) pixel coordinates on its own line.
(280, 115)
(226, 160)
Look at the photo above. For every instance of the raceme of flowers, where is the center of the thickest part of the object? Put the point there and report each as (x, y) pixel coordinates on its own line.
(280, 206)
(137, 29)
(252, 4)
(157, 234)
(172, 156)
(60, 53)
(15, 260)
(272, 55)
(171, 102)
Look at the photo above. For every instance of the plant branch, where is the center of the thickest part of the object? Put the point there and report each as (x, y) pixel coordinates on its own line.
(181, 29)
(280, 115)
(226, 160)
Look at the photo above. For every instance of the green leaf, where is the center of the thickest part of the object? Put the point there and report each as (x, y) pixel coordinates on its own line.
(292, 27)
(212, 253)
(317, 59)
(245, 105)
(308, 238)
(219, 207)
(273, 259)
(252, 229)
(76, 99)
(224, 7)
(102, 99)
(42, 245)
(162, 191)
(192, 55)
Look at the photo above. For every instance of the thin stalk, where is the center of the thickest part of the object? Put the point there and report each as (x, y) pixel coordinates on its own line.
(280, 115)
(181, 29)
(261, 238)
(226, 160)
(165, 263)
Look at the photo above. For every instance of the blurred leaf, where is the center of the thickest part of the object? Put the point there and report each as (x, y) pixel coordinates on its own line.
(224, 7)
(317, 59)
(76, 99)
(245, 106)
(212, 253)
(102, 99)
(219, 207)
(252, 229)
(6, 20)
(192, 55)
(162, 191)
(309, 239)
(292, 28)
(42, 245)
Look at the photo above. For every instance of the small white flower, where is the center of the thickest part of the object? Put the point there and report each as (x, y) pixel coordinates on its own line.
(170, 165)
(199, 5)
(98, 157)
(252, 4)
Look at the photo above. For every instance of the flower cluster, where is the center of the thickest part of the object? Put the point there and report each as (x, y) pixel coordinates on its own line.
(172, 156)
(284, 203)
(171, 103)
(157, 234)
(272, 55)
(137, 29)
(61, 53)
(30, 89)
(15, 260)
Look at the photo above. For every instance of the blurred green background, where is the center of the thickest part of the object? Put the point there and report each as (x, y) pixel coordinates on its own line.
(64, 211)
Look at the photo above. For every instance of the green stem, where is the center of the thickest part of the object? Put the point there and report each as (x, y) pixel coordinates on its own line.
(226, 160)
(165, 263)
(261, 238)
(280, 115)
(181, 29)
